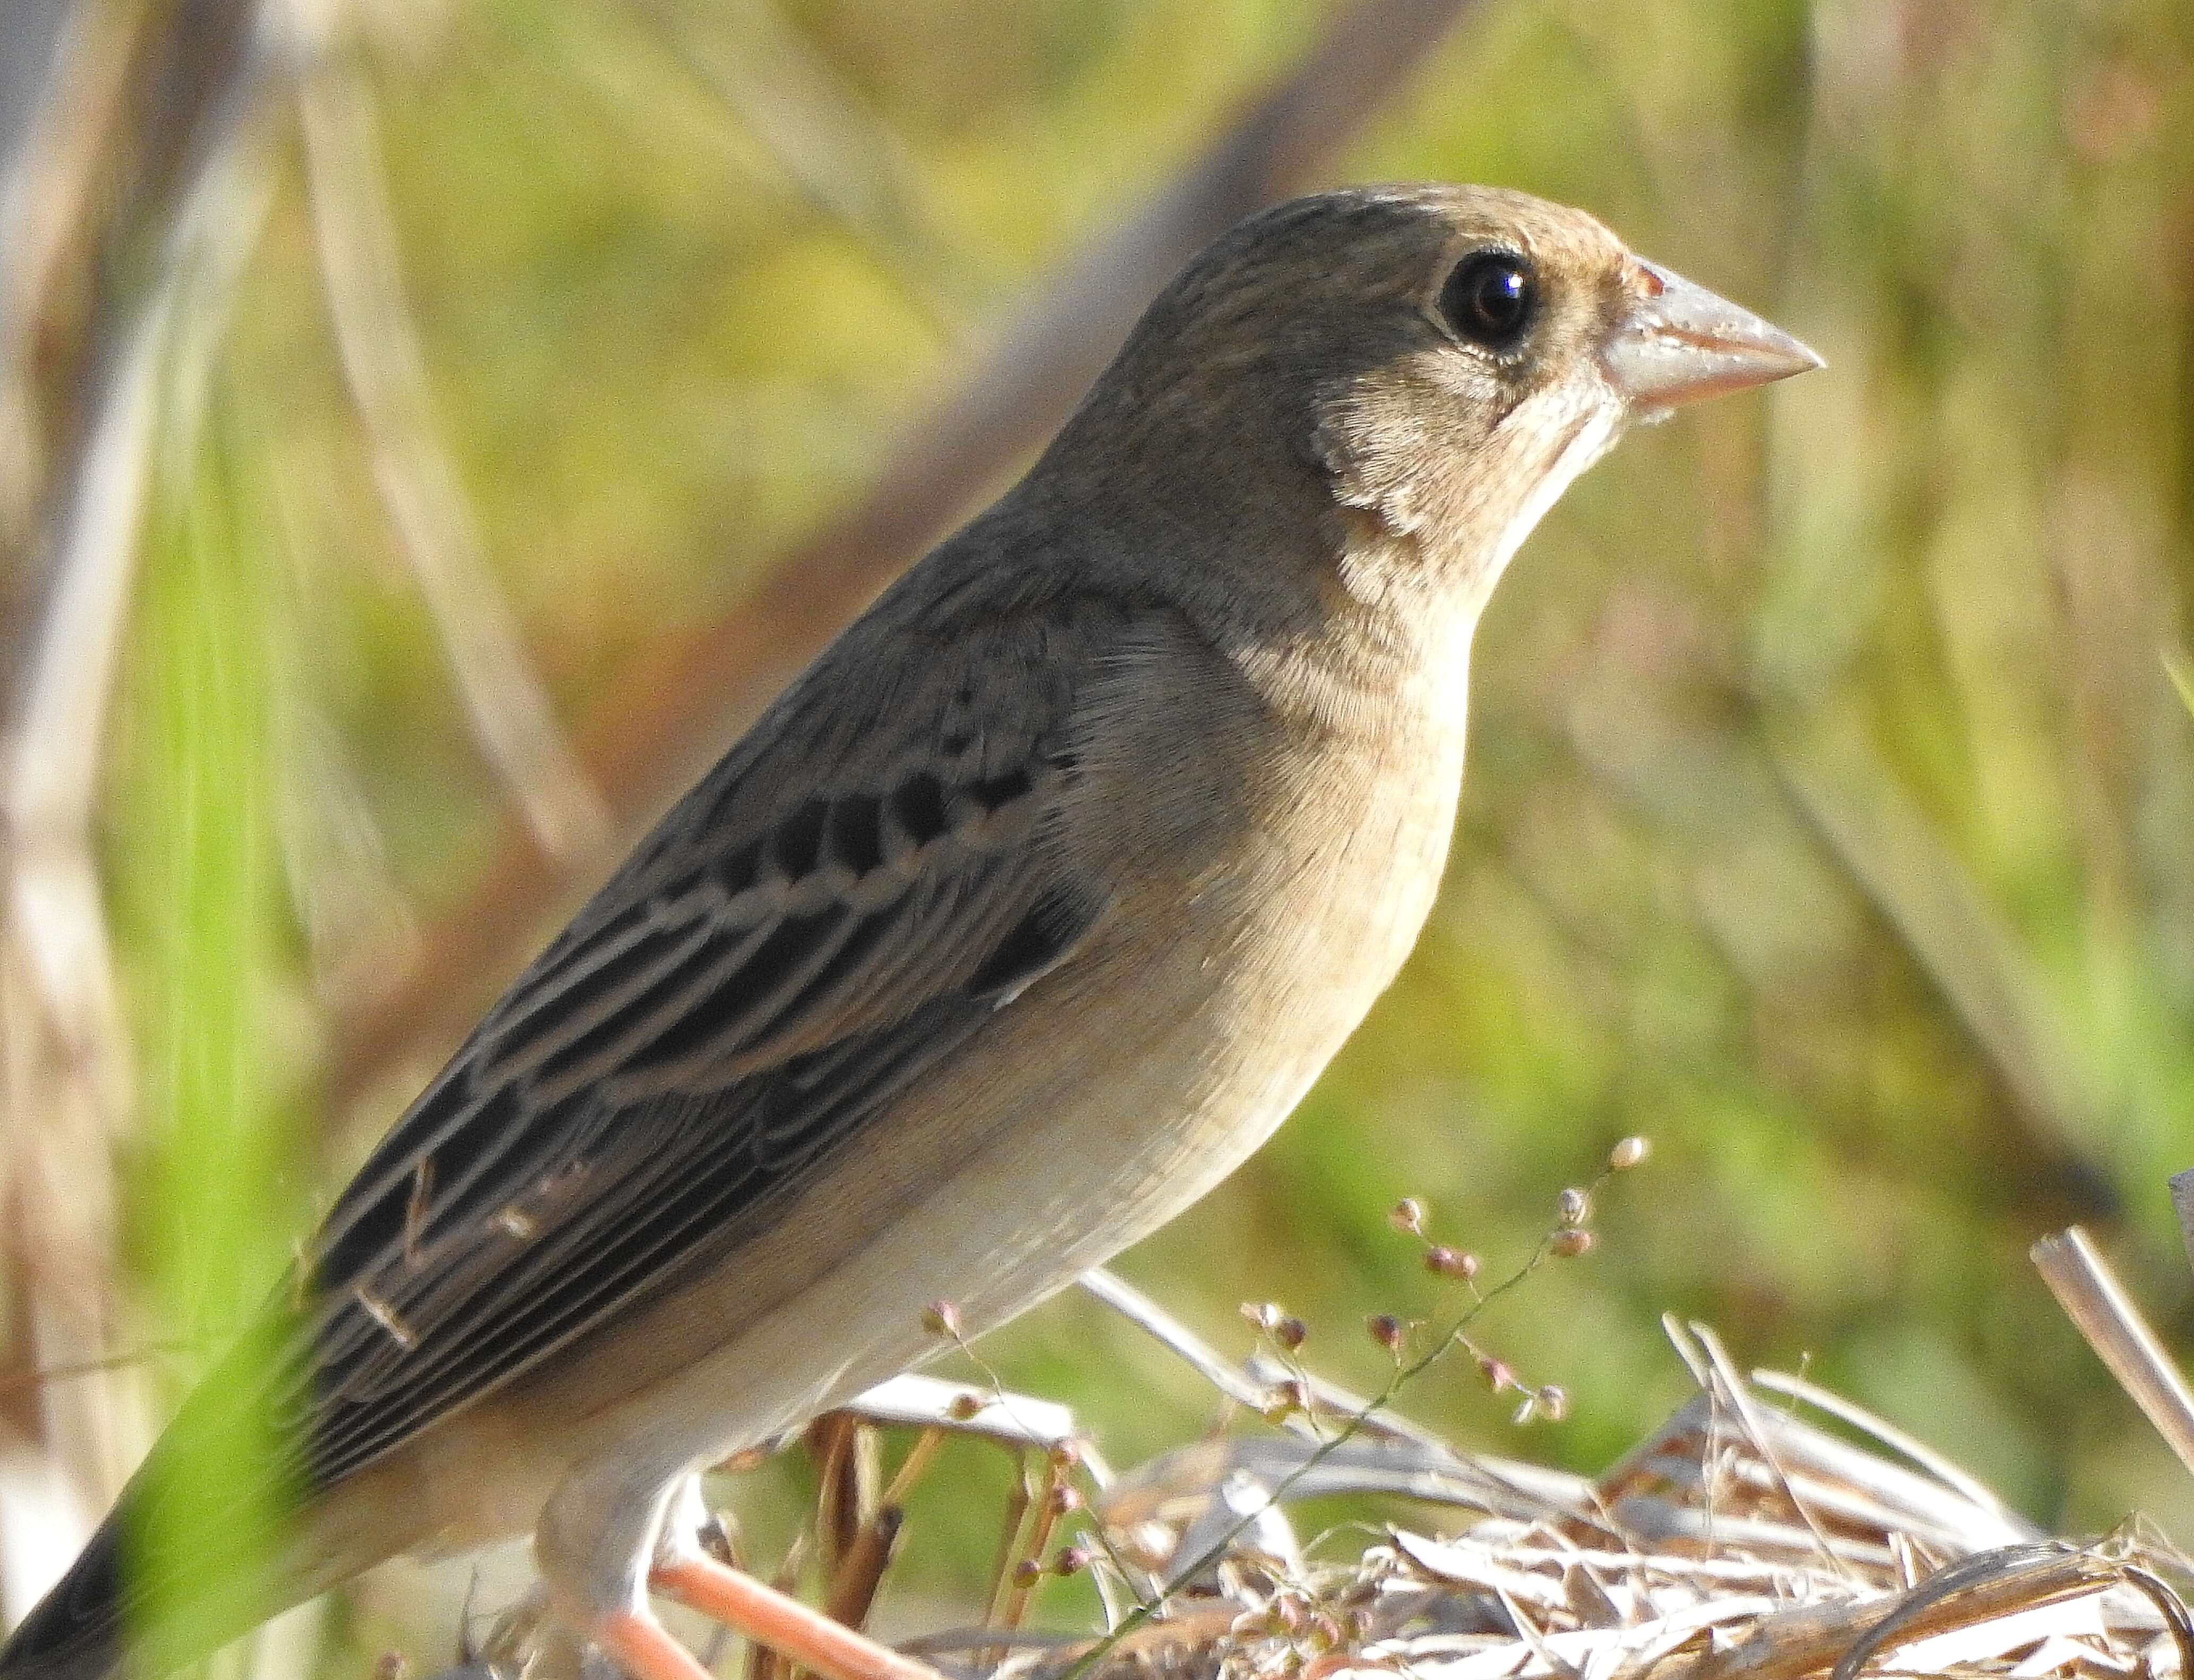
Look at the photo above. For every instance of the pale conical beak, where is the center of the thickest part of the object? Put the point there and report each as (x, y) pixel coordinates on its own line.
(1681, 343)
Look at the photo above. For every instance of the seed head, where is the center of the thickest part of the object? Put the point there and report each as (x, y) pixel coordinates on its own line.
(1497, 1373)
(1386, 1330)
(1264, 1316)
(1070, 1559)
(1062, 1500)
(963, 1408)
(1553, 1403)
(1574, 1205)
(1407, 1215)
(1027, 1572)
(1290, 1333)
(1627, 1153)
(941, 1317)
(1568, 1242)
(1448, 1263)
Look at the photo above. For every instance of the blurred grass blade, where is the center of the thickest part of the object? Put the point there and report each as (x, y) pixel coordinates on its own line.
(199, 875)
(66, 1059)
(834, 150)
(2182, 677)
(1925, 894)
(387, 373)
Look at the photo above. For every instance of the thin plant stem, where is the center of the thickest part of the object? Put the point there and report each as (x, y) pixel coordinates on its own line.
(1405, 1372)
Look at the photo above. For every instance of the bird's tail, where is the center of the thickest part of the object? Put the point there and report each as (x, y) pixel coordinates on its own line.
(137, 1601)
(76, 1631)
(209, 1539)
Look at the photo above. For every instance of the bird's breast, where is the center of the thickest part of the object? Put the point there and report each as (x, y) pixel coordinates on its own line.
(1248, 943)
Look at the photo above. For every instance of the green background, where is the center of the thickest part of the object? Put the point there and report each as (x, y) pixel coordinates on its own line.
(1831, 815)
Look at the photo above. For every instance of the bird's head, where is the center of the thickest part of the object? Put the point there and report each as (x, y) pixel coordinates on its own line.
(1434, 365)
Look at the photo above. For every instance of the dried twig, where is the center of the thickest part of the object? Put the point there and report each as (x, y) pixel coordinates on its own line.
(71, 119)
(1176, 1337)
(1740, 1402)
(1850, 1411)
(2097, 1303)
(1805, 1641)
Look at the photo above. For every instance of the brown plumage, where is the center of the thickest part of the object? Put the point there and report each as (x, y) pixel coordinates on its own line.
(1024, 915)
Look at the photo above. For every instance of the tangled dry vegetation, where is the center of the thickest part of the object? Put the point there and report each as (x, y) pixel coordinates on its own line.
(1769, 1530)
(1739, 1541)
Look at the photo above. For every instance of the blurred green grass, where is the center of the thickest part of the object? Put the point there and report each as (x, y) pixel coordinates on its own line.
(1830, 817)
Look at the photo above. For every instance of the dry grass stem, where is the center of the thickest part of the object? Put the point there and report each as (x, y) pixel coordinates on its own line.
(1176, 1337)
(2098, 1304)
(1822, 1552)
(386, 375)
(1737, 1541)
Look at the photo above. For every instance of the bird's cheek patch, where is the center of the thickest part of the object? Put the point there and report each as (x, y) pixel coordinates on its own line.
(1377, 464)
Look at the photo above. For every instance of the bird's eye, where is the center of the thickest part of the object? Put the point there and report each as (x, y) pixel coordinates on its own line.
(1489, 299)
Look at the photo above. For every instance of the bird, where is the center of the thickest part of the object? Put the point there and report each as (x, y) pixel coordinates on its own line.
(1014, 923)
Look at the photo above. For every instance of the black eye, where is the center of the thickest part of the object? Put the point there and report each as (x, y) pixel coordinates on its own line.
(1489, 298)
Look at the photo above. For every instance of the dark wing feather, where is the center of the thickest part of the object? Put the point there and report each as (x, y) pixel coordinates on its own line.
(759, 982)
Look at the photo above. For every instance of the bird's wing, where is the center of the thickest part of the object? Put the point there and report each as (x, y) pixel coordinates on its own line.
(840, 905)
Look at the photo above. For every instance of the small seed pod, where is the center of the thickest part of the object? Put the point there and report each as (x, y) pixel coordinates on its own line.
(1063, 1499)
(1070, 1559)
(1262, 1315)
(1568, 1242)
(963, 1408)
(1448, 1263)
(1497, 1373)
(1027, 1572)
(1066, 1455)
(1574, 1205)
(1386, 1330)
(1407, 1215)
(1553, 1403)
(1289, 1396)
(1290, 1333)
(1627, 1153)
(941, 1317)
